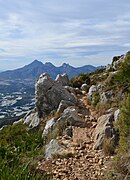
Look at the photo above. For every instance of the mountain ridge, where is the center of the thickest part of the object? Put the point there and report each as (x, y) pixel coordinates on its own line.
(35, 68)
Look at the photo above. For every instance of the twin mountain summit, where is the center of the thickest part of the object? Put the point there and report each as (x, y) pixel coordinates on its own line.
(36, 68)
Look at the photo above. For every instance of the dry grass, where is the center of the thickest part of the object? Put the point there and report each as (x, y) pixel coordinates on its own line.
(108, 146)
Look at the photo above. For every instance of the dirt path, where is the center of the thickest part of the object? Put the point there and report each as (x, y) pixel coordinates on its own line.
(85, 163)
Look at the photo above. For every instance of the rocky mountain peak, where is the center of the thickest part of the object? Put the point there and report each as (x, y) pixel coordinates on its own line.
(49, 64)
(34, 69)
(36, 62)
(65, 65)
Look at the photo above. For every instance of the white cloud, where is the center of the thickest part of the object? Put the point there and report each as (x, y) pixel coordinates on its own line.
(74, 30)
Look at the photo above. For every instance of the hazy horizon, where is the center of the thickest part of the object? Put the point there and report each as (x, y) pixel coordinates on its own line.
(78, 32)
(44, 64)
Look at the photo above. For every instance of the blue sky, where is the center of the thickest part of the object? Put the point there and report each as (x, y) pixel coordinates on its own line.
(77, 32)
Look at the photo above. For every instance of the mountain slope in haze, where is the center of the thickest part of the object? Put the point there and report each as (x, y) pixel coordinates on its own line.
(34, 69)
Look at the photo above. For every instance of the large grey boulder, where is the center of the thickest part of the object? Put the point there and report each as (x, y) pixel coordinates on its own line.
(70, 117)
(62, 79)
(105, 96)
(52, 148)
(63, 105)
(104, 129)
(70, 89)
(49, 94)
(84, 87)
(49, 125)
(91, 91)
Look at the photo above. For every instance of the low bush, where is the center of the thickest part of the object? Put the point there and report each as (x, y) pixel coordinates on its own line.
(108, 146)
(98, 71)
(19, 149)
(77, 81)
(115, 58)
(120, 167)
(95, 99)
(123, 76)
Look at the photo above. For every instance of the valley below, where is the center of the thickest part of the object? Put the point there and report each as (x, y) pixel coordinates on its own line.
(17, 97)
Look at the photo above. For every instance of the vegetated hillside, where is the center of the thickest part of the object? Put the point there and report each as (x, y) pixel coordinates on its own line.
(81, 131)
(111, 92)
(20, 150)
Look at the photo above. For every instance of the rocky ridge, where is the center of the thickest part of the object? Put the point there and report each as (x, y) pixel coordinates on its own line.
(79, 127)
(74, 131)
(78, 159)
(33, 70)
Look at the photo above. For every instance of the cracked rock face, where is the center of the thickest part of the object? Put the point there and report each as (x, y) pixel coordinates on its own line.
(105, 96)
(70, 115)
(116, 64)
(32, 119)
(49, 126)
(92, 90)
(62, 79)
(104, 129)
(49, 94)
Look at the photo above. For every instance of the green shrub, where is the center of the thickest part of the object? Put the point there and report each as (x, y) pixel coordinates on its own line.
(121, 164)
(85, 78)
(97, 71)
(108, 146)
(95, 99)
(124, 125)
(77, 81)
(19, 149)
(123, 76)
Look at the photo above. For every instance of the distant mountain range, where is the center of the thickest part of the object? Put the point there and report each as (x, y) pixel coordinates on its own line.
(36, 68)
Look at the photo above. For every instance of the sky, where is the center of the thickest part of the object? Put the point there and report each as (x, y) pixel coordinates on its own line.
(78, 32)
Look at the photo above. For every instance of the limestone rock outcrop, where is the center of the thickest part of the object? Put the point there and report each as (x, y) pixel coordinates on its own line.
(84, 87)
(62, 79)
(105, 96)
(92, 90)
(53, 148)
(49, 94)
(116, 115)
(117, 63)
(63, 105)
(104, 129)
(70, 117)
(49, 125)
(32, 119)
